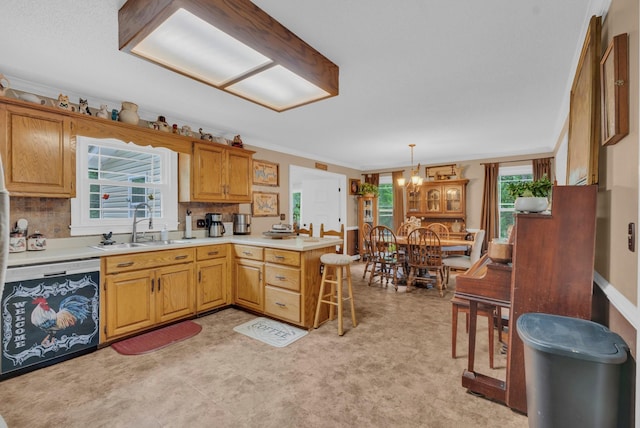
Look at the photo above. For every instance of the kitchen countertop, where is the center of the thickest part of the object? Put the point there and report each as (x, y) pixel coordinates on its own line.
(59, 250)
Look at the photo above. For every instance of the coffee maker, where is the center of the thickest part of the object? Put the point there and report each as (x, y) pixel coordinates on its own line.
(213, 223)
(241, 224)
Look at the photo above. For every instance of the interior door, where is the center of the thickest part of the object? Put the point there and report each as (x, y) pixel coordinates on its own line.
(320, 202)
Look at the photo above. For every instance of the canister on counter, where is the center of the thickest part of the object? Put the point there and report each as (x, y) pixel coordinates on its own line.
(17, 242)
(37, 242)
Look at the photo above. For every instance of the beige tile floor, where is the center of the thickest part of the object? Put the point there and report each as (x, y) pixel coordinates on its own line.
(393, 370)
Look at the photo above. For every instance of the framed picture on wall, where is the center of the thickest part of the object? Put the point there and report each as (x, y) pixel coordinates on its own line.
(584, 111)
(265, 204)
(354, 185)
(614, 85)
(266, 173)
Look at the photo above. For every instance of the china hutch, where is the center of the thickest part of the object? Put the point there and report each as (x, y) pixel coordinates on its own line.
(367, 213)
(439, 201)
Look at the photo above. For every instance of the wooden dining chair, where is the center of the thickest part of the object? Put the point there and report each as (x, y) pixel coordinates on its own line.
(439, 228)
(338, 233)
(404, 229)
(367, 254)
(384, 249)
(305, 232)
(424, 255)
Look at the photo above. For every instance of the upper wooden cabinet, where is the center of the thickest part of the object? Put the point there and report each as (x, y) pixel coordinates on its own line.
(215, 173)
(436, 200)
(38, 152)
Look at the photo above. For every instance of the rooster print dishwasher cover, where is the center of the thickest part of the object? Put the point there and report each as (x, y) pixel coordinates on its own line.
(43, 319)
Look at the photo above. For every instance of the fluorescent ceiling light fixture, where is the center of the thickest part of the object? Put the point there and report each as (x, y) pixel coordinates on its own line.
(231, 45)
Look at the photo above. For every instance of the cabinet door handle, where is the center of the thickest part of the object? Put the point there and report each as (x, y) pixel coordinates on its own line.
(247, 253)
(279, 257)
(181, 257)
(158, 284)
(125, 264)
(281, 278)
(282, 305)
(153, 282)
(213, 253)
(200, 276)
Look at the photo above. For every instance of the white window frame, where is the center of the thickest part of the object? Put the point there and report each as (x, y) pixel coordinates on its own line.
(82, 224)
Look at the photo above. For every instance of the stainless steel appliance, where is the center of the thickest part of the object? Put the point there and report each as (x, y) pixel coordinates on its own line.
(50, 313)
(241, 224)
(213, 222)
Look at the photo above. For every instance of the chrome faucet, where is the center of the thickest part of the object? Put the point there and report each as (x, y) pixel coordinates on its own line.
(134, 233)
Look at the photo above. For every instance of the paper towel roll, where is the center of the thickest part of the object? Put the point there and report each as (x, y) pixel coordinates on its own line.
(187, 227)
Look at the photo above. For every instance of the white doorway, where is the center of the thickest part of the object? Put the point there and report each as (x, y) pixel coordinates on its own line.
(322, 197)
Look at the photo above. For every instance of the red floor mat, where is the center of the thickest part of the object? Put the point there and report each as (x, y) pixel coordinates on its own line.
(157, 339)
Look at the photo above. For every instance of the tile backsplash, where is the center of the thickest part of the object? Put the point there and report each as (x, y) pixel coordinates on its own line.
(52, 216)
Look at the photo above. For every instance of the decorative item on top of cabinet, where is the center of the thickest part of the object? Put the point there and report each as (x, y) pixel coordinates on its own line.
(63, 103)
(83, 107)
(103, 113)
(4, 85)
(129, 113)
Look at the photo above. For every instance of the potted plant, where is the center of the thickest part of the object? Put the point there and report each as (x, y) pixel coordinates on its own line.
(530, 196)
(368, 189)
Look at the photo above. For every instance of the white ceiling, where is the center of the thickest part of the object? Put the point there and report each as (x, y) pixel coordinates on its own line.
(461, 79)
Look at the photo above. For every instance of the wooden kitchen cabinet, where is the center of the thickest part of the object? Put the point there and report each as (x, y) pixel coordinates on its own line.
(215, 173)
(282, 290)
(212, 271)
(38, 152)
(142, 290)
(248, 277)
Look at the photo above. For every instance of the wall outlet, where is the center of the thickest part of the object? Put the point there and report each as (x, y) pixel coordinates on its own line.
(200, 223)
(281, 216)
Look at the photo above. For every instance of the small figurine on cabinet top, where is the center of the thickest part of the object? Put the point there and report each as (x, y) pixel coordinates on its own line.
(103, 112)
(83, 107)
(206, 136)
(63, 103)
(185, 130)
(237, 141)
(114, 114)
(162, 124)
(4, 84)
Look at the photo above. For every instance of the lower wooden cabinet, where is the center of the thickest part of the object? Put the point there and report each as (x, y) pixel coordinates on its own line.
(147, 289)
(212, 283)
(248, 276)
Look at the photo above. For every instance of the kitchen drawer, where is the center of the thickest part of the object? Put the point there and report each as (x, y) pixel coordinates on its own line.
(284, 277)
(285, 257)
(211, 251)
(282, 304)
(147, 260)
(248, 252)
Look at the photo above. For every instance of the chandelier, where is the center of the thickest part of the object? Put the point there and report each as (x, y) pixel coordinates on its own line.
(415, 180)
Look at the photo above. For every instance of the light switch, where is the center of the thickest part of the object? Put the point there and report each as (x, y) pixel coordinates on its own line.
(631, 237)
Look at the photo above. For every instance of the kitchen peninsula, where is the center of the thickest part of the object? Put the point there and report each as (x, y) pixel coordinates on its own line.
(146, 286)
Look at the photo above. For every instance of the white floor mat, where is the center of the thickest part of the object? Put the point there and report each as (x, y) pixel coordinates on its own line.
(271, 332)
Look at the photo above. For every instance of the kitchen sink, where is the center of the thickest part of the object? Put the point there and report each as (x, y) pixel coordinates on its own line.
(126, 245)
(120, 246)
(160, 243)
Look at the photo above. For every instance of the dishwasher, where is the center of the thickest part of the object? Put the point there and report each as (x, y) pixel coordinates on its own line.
(50, 313)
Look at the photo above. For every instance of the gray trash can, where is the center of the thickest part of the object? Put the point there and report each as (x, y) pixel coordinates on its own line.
(572, 371)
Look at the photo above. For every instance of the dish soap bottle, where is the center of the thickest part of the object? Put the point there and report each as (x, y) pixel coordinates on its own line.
(164, 233)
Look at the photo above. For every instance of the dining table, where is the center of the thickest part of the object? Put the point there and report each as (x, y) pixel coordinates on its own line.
(446, 244)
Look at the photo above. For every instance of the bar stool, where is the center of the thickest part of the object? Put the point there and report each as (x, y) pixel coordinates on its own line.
(335, 296)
